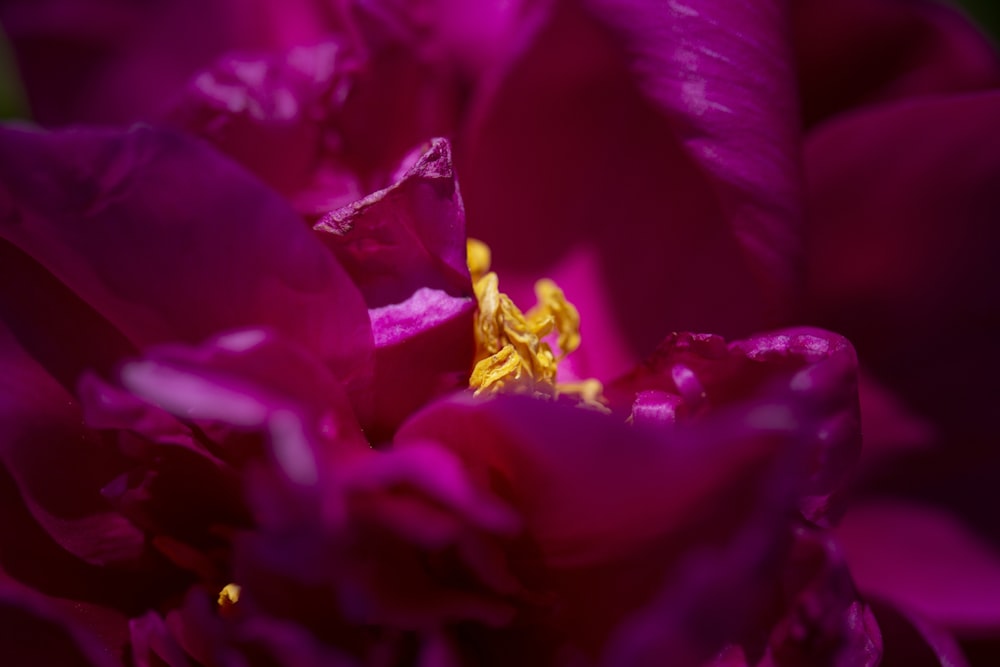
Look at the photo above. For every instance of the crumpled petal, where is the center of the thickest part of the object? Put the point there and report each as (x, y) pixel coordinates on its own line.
(904, 250)
(855, 53)
(690, 376)
(662, 157)
(407, 236)
(404, 246)
(169, 241)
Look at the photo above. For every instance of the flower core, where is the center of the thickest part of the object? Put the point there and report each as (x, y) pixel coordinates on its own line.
(512, 354)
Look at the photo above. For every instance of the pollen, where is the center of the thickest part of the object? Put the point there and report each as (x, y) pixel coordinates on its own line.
(229, 596)
(514, 349)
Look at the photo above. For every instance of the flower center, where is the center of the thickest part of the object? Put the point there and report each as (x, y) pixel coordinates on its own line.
(513, 353)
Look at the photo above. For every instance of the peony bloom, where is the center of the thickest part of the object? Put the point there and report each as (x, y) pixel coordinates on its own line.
(243, 463)
(218, 372)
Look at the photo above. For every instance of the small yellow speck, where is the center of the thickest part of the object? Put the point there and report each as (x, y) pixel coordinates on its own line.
(229, 596)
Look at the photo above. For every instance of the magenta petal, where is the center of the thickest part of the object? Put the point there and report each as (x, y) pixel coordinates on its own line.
(912, 641)
(152, 644)
(106, 406)
(276, 116)
(34, 304)
(665, 158)
(553, 456)
(890, 429)
(423, 348)
(825, 621)
(407, 236)
(36, 632)
(401, 539)
(169, 241)
(934, 295)
(925, 559)
(253, 380)
(690, 376)
(716, 596)
(118, 61)
(608, 508)
(58, 465)
(825, 380)
(853, 53)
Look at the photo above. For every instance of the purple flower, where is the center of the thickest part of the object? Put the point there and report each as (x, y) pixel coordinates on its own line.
(204, 393)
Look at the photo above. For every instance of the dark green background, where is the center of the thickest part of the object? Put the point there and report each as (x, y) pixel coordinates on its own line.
(987, 12)
(12, 105)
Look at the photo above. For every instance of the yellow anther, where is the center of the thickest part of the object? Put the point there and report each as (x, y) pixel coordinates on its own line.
(512, 355)
(229, 596)
(502, 372)
(552, 304)
(478, 258)
(588, 393)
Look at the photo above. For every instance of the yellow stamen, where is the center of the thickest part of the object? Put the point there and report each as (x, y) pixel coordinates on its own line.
(229, 596)
(552, 304)
(478, 257)
(512, 355)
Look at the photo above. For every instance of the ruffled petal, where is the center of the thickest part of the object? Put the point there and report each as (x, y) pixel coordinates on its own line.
(252, 380)
(169, 241)
(401, 540)
(58, 465)
(119, 61)
(659, 137)
(861, 52)
(904, 250)
(195, 633)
